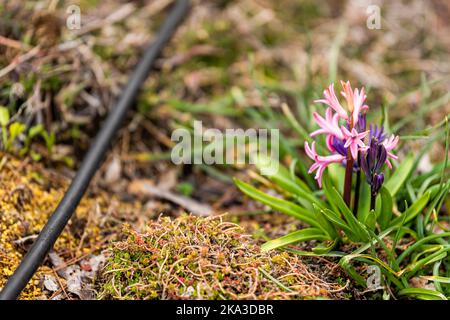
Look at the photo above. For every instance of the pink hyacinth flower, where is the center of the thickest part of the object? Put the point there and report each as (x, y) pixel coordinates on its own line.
(354, 141)
(332, 101)
(329, 125)
(321, 162)
(355, 100)
(390, 144)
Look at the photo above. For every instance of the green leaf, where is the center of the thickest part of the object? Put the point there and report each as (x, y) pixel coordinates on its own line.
(400, 175)
(336, 172)
(15, 129)
(412, 211)
(35, 130)
(364, 202)
(325, 247)
(356, 226)
(296, 236)
(325, 225)
(50, 139)
(384, 207)
(446, 152)
(437, 279)
(4, 116)
(419, 243)
(334, 254)
(437, 198)
(302, 132)
(277, 204)
(326, 183)
(413, 268)
(370, 220)
(283, 178)
(421, 293)
(336, 220)
(35, 156)
(345, 263)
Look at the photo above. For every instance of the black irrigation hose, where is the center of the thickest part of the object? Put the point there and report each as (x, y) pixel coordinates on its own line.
(55, 225)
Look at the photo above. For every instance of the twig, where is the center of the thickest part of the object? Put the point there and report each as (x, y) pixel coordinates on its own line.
(25, 239)
(60, 284)
(120, 14)
(19, 60)
(11, 43)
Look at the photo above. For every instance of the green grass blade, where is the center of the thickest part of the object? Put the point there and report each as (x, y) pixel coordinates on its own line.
(419, 243)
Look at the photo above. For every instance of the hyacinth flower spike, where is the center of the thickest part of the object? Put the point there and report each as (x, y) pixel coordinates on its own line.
(350, 143)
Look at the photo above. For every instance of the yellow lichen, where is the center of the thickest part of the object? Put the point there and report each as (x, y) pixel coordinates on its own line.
(25, 206)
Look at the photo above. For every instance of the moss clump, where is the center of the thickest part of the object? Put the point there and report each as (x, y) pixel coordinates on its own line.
(203, 258)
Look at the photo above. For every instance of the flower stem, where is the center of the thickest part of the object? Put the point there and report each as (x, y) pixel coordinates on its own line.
(357, 189)
(348, 173)
(373, 198)
(348, 179)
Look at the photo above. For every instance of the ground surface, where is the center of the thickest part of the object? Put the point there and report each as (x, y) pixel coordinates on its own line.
(231, 64)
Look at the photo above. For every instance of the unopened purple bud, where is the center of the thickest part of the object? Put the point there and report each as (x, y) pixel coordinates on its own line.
(365, 168)
(361, 125)
(377, 182)
(380, 157)
(376, 134)
(371, 163)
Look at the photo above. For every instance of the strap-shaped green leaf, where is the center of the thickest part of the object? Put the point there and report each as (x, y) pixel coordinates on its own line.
(384, 208)
(278, 204)
(284, 179)
(296, 236)
(356, 226)
(412, 211)
(400, 175)
(421, 293)
(339, 223)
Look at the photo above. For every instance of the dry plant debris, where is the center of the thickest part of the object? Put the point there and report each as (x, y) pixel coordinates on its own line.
(205, 258)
